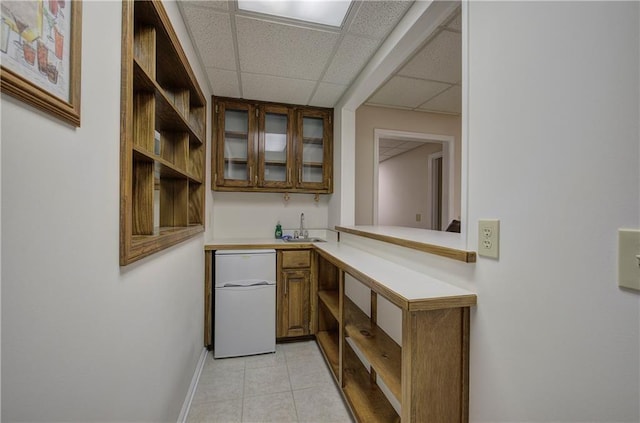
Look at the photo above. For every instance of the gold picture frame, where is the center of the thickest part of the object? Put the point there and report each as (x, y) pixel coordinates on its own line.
(40, 51)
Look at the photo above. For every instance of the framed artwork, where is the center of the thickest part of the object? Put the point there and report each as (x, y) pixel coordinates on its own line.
(40, 46)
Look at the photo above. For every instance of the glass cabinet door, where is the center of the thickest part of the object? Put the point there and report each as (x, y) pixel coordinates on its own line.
(235, 144)
(314, 153)
(274, 152)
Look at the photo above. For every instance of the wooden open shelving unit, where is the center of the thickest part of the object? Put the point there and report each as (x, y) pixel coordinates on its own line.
(423, 379)
(161, 177)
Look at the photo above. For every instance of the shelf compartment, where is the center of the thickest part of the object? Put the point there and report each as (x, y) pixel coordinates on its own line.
(179, 97)
(384, 355)
(309, 140)
(328, 342)
(174, 210)
(174, 149)
(196, 205)
(144, 110)
(332, 301)
(365, 398)
(142, 210)
(169, 118)
(196, 161)
(166, 169)
(144, 48)
(236, 134)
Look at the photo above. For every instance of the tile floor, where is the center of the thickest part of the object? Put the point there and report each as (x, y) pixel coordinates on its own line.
(292, 385)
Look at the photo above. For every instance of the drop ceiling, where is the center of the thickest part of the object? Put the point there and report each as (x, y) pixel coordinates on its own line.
(261, 57)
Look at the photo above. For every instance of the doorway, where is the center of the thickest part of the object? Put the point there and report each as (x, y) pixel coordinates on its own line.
(404, 208)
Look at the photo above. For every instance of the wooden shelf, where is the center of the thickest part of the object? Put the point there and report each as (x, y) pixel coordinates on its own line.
(312, 164)
(318, 141)
(367, 401)
(331, 300)
(162, 191)
(384, 355)
(235, 160)
(236, 134)
(329, 345)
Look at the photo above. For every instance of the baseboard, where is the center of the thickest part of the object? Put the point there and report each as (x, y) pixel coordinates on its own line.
(182, 418)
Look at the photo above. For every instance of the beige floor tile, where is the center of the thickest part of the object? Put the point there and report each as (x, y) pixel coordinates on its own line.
(265, 360)
(214, 386)
(213, 364)
(265, 380)
(225, 411)
(321, 405)
(269, 408)
(307, 374)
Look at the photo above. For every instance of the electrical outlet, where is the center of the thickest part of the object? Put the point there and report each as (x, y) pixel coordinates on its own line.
(489, 238)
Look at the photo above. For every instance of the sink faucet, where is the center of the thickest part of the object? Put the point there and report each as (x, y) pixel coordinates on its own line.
(303, 233)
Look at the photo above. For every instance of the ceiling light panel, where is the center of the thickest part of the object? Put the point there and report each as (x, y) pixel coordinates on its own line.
(322, 12)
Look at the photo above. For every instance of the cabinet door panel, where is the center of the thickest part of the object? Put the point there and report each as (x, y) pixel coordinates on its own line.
(275, 147)
(236, 144)
(293, 316)
(314, 150)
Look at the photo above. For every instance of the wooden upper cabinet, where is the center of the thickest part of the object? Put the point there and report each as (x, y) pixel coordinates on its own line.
(271, 147)
(236, 146)
(314, 149)
(275, 146)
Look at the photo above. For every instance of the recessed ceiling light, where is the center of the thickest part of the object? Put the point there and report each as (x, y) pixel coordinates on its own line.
(326, 12)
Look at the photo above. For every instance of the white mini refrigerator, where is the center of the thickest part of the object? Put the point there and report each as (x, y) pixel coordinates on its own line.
(245, 303)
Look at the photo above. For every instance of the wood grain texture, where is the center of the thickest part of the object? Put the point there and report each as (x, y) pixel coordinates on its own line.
(296, 259)
(432, 366)
(208, 298)
(328, 343)
(156, 98)
(379, 349)
(331, 300)
(452, 253)
(142, 209)
(294, 312)
(367, 402)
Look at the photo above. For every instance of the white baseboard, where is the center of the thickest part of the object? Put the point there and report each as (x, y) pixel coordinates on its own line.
(182, 418)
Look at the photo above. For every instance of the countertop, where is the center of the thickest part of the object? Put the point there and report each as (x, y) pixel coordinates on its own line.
(403, 286)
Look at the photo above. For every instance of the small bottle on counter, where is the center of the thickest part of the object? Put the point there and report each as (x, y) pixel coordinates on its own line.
(278, 231)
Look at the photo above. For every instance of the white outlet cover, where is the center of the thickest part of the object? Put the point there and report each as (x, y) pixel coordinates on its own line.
(489, 238)
(628, 263)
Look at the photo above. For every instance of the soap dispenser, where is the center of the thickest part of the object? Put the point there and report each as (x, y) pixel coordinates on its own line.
(278, 231)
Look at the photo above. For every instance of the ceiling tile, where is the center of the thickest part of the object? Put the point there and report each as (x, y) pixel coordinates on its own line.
(407, 92)
(352, 54)
(449, 101)
(327, 95)
(216, 4)
(440, 60)
(283, 50)
(273, 88)
(212, 35)
(377, 18)
(224, 83)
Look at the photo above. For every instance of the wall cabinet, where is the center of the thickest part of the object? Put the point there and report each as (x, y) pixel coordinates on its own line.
(271, 147)
(293, 298)
(162, 141)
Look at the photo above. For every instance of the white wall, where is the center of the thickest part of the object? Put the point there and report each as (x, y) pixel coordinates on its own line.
(554, 153)
(82, 338)
(403, 188)
(553, 338)
(254, 215)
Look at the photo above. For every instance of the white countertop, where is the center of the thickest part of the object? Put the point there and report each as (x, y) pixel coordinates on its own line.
(391, 278)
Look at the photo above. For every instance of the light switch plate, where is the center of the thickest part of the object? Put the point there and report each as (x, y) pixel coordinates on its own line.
(489, 238)
(628, 263)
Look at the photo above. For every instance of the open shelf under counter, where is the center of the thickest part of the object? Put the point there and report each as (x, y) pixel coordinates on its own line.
(329, 345)
(331, 300)
(382, 353)
(365, 398)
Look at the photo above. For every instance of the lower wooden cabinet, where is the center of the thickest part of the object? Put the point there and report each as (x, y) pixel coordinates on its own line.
(293, 309)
